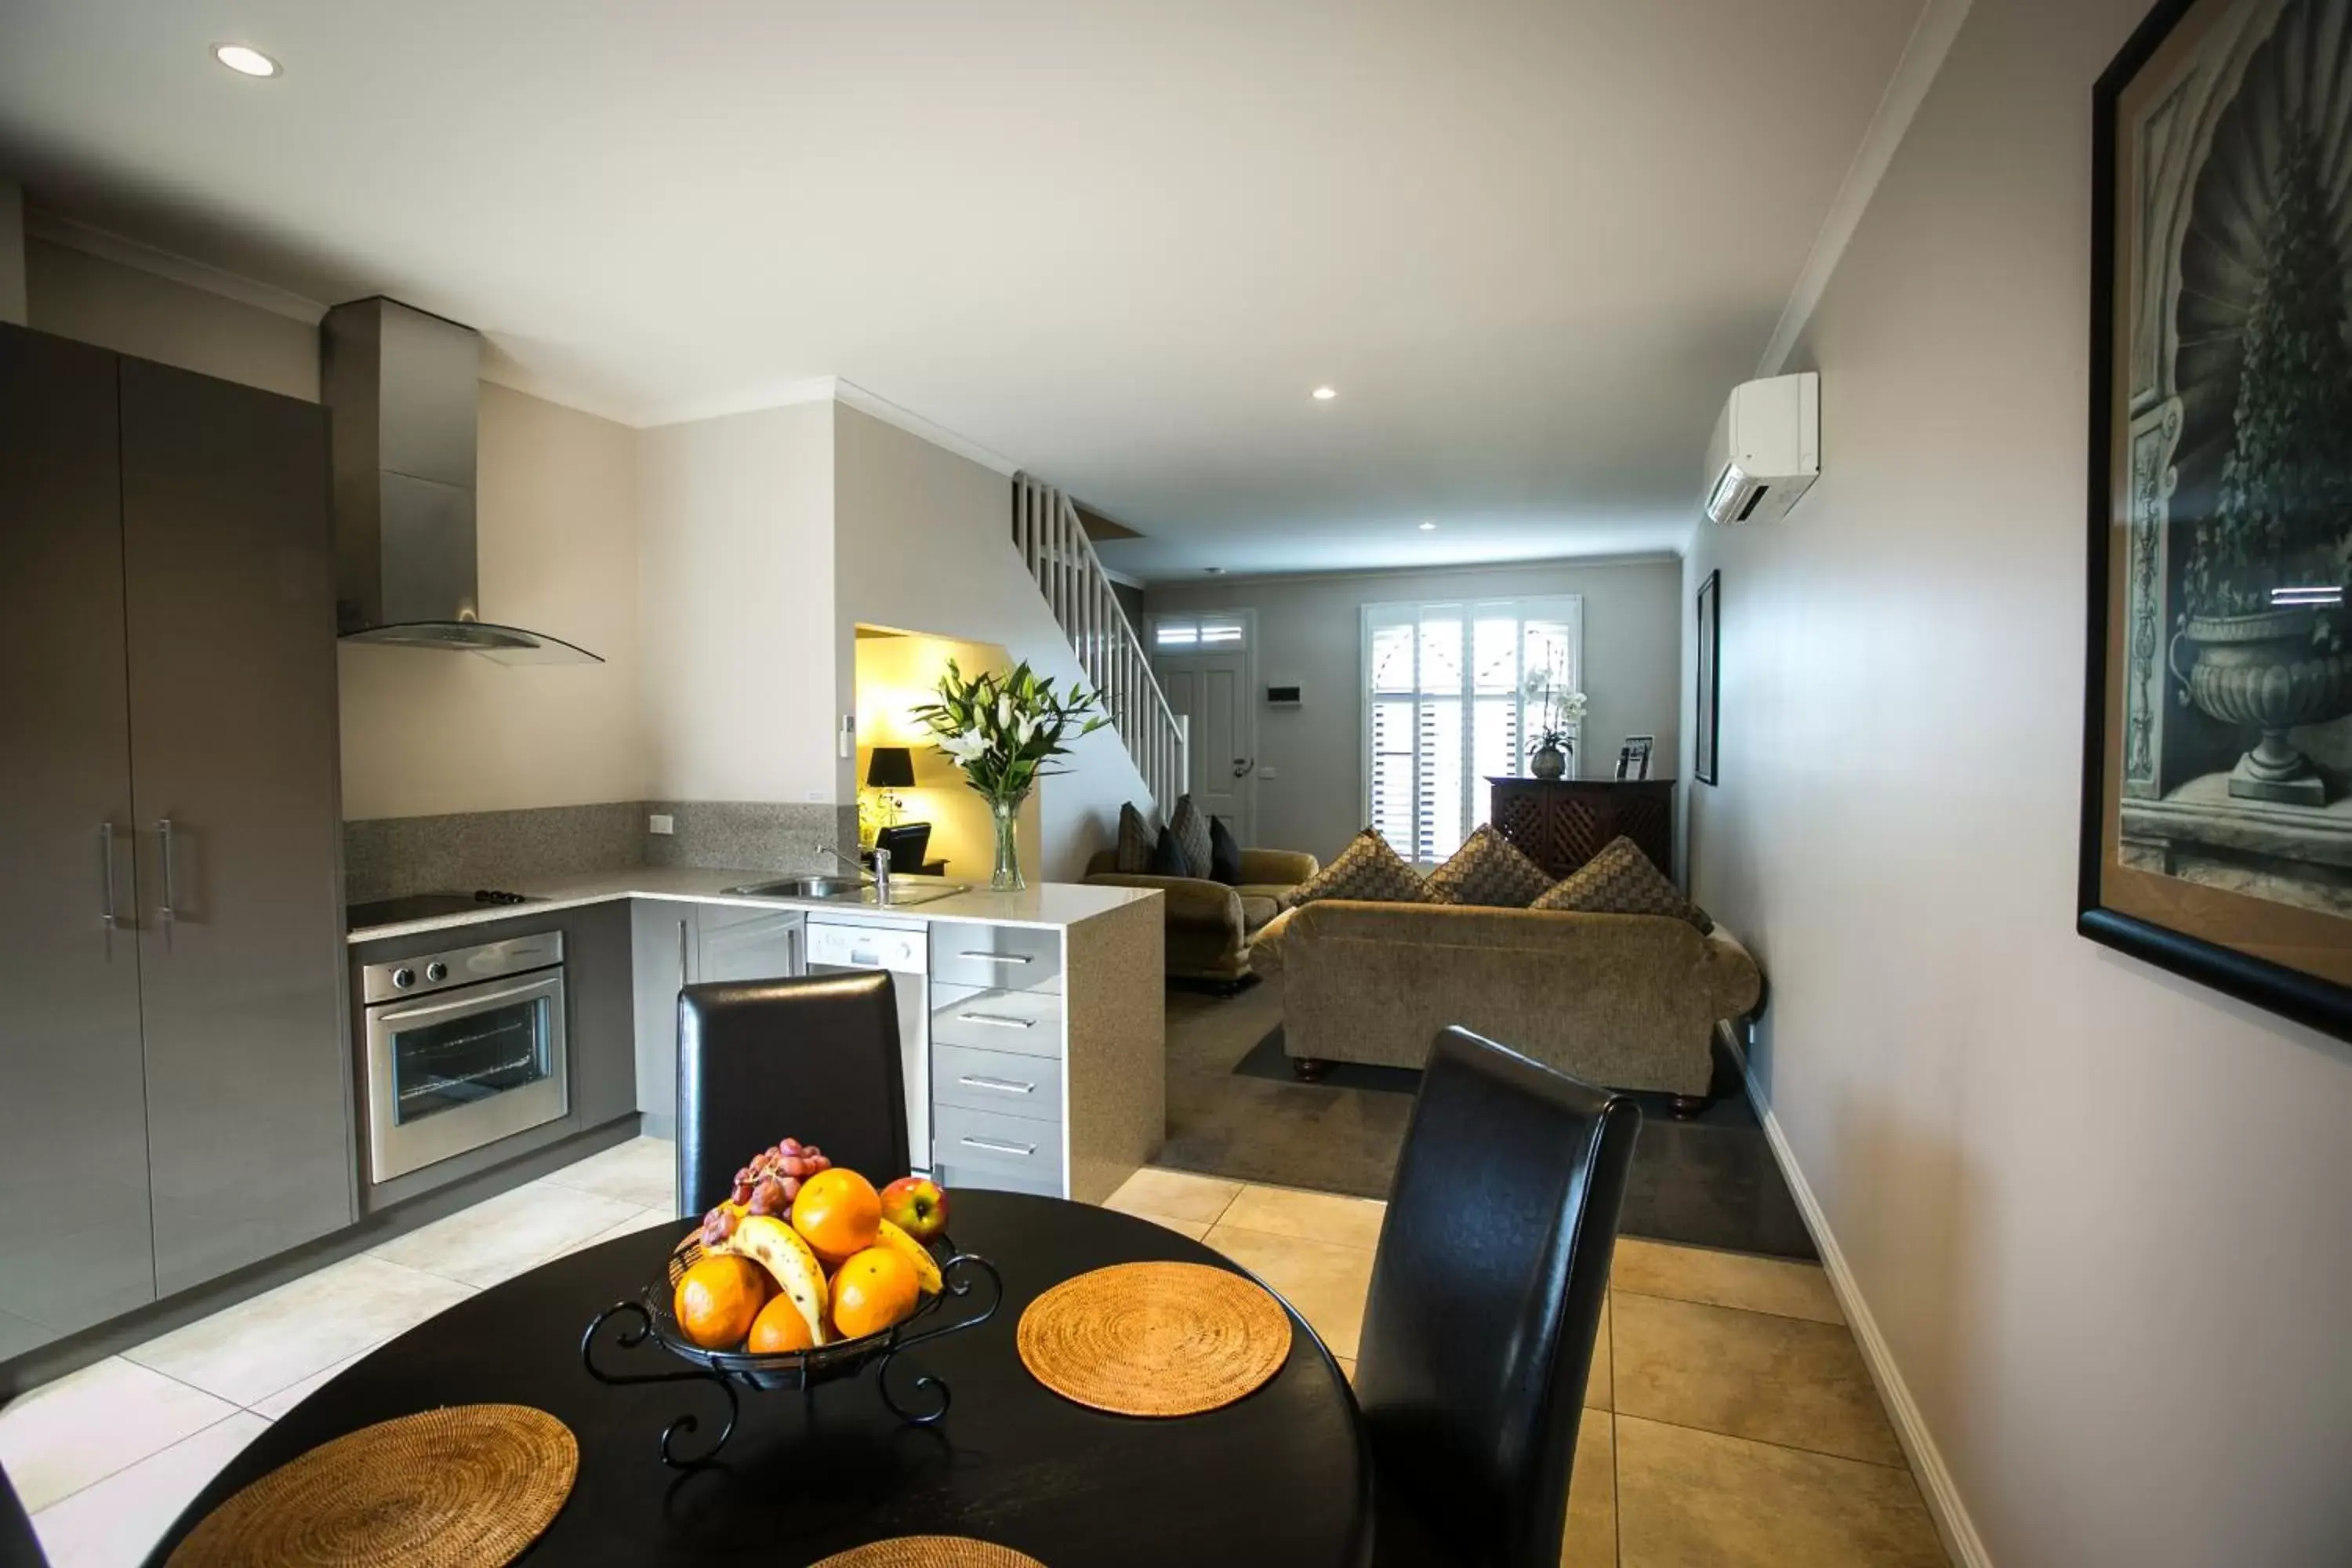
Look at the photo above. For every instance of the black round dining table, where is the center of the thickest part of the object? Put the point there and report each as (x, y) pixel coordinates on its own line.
(1281, 1475)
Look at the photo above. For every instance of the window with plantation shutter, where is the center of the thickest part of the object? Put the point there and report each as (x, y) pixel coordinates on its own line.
(1447, 705)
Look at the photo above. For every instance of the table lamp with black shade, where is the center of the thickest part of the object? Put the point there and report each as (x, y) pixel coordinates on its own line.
(890, 769)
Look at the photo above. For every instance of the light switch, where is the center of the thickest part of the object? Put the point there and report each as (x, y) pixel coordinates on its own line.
(661, 821)
(1267, 773)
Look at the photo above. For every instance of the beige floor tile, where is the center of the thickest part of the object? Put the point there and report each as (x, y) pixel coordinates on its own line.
(499, 1238)
(277, 1404)
(1738, 1279)
(643, 1172)
(1318, 1217)
(1590, 1539)
(246, 1353)
(1597, 1382)
(643, 1219)
(1326, 1282)
(116, 1522)
(1700, 1500)
(1191, 1229)
(1156, 1193)
(87, 1426)
(1751, 1374)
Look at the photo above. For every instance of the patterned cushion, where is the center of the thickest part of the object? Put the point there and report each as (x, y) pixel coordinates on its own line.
(1488, 870)
(1135, 842)
(1168, 856)
(1620, 881)
(1367, 870)
(1191, 827)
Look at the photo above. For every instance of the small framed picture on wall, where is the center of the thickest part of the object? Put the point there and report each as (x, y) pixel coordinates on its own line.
(1710, 676)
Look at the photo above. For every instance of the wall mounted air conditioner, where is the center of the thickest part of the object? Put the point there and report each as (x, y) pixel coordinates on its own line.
(1767, 450)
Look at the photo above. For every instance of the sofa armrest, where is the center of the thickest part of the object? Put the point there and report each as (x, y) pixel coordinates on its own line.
(1192, 900)
(1737, 982)
(1265, 950)
(1278, 867)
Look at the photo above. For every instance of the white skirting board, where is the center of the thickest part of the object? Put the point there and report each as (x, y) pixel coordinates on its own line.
(1961, 1543)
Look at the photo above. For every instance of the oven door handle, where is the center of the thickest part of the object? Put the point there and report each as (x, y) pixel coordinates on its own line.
(471, 1000)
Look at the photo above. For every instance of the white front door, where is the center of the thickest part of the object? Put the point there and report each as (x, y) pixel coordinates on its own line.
(1213, 690)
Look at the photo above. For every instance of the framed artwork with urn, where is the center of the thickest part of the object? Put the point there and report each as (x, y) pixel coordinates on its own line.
(2217, 792)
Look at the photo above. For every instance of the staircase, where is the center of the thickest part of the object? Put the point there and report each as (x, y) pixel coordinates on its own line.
(1069, 574)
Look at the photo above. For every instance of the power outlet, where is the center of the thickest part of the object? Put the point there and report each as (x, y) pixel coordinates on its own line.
(661, 821)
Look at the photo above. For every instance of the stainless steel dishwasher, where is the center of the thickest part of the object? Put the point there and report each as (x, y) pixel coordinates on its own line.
(835, 948)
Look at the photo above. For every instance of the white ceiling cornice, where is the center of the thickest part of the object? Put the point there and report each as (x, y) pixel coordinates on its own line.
(107, 246)
(1923, 57)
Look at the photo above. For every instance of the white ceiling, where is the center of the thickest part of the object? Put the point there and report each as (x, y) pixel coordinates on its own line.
(1532, 244)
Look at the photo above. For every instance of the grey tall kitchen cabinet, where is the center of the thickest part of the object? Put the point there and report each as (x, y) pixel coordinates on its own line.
(174, 1078)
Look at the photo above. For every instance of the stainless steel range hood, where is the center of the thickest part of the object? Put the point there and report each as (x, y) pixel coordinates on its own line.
(401, 387)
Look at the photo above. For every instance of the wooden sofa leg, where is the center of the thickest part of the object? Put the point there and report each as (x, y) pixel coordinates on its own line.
(1689, 1105)
(1309, 1069)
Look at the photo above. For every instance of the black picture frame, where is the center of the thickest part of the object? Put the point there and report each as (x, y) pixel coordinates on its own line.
(1708, 709)
(2294, 994)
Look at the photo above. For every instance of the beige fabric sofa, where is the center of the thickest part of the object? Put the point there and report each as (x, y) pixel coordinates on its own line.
(1625, 1001)
(1210, 924)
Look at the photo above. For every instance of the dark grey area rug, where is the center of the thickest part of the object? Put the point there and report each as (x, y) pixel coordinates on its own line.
(1234, 1111)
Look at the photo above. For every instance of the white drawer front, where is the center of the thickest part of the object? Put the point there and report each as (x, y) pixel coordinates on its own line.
(983, 1141)
(1016, 958)
(1027, 1086)
(1027, 1023)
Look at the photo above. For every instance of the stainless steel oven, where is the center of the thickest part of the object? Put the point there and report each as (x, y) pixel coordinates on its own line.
(464, 1048)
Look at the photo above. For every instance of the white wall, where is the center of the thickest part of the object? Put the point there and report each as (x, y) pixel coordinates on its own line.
(1310, 633)
(925, 544)
(427, 731)
(2097, 1214)
(76, 295)
(742, 677)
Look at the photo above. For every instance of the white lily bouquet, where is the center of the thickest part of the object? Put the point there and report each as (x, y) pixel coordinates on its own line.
(1003, 731)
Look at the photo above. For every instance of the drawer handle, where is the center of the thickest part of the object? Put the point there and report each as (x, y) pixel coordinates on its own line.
(993, 1146)
(999, 957)
(997, 1020)
(1001, 1084)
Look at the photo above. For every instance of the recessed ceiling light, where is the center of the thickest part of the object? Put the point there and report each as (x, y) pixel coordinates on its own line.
(244, 61)
(1429, 528)
(1326, 393)
(1215, 571)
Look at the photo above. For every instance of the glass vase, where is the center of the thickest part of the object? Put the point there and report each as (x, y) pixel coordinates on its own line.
(1007, 878)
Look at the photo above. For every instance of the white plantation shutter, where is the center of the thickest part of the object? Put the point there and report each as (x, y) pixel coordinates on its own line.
(1445, 708)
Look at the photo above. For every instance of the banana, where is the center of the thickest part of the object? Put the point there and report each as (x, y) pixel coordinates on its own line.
(778, 1249)
(926, 1271)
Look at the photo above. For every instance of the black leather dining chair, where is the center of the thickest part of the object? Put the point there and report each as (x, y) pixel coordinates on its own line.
(762, 1060)
(19, 1547)
(1486, 1292)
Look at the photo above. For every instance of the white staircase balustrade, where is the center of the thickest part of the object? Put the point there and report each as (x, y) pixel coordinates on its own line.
(1060, 555)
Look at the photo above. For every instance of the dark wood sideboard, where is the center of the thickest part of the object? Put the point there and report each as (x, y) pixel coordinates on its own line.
(1560, 824)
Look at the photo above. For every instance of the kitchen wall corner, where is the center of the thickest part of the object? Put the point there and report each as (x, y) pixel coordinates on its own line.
(389, 857)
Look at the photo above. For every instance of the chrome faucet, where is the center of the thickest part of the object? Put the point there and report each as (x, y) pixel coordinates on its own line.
(881, 869)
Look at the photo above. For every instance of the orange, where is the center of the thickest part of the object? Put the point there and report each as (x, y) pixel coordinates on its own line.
(837, 1212)
(779, 1327)
(718, 1298)
(872, 1290)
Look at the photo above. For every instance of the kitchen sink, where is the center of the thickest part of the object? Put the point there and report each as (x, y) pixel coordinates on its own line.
(848, 890)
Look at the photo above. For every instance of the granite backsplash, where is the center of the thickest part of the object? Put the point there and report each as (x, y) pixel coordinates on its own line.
(389, 857)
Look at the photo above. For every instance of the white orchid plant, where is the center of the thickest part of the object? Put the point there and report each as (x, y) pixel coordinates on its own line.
(1002, 729)
(1554, 711)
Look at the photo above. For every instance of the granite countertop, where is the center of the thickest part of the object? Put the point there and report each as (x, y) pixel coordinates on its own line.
(1049, 904)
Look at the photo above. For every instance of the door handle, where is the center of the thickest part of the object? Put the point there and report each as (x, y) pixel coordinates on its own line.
(106, 869)
(1241, 766)
(167, 912)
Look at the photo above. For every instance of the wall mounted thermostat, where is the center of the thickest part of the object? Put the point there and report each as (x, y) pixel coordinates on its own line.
(1282, 697)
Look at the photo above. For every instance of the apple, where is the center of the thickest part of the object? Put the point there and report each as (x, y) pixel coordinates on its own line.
(916, 1205)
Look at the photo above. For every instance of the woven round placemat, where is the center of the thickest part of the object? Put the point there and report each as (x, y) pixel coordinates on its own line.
(931, 1552)
(1155, 1339)
(469, 1486)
